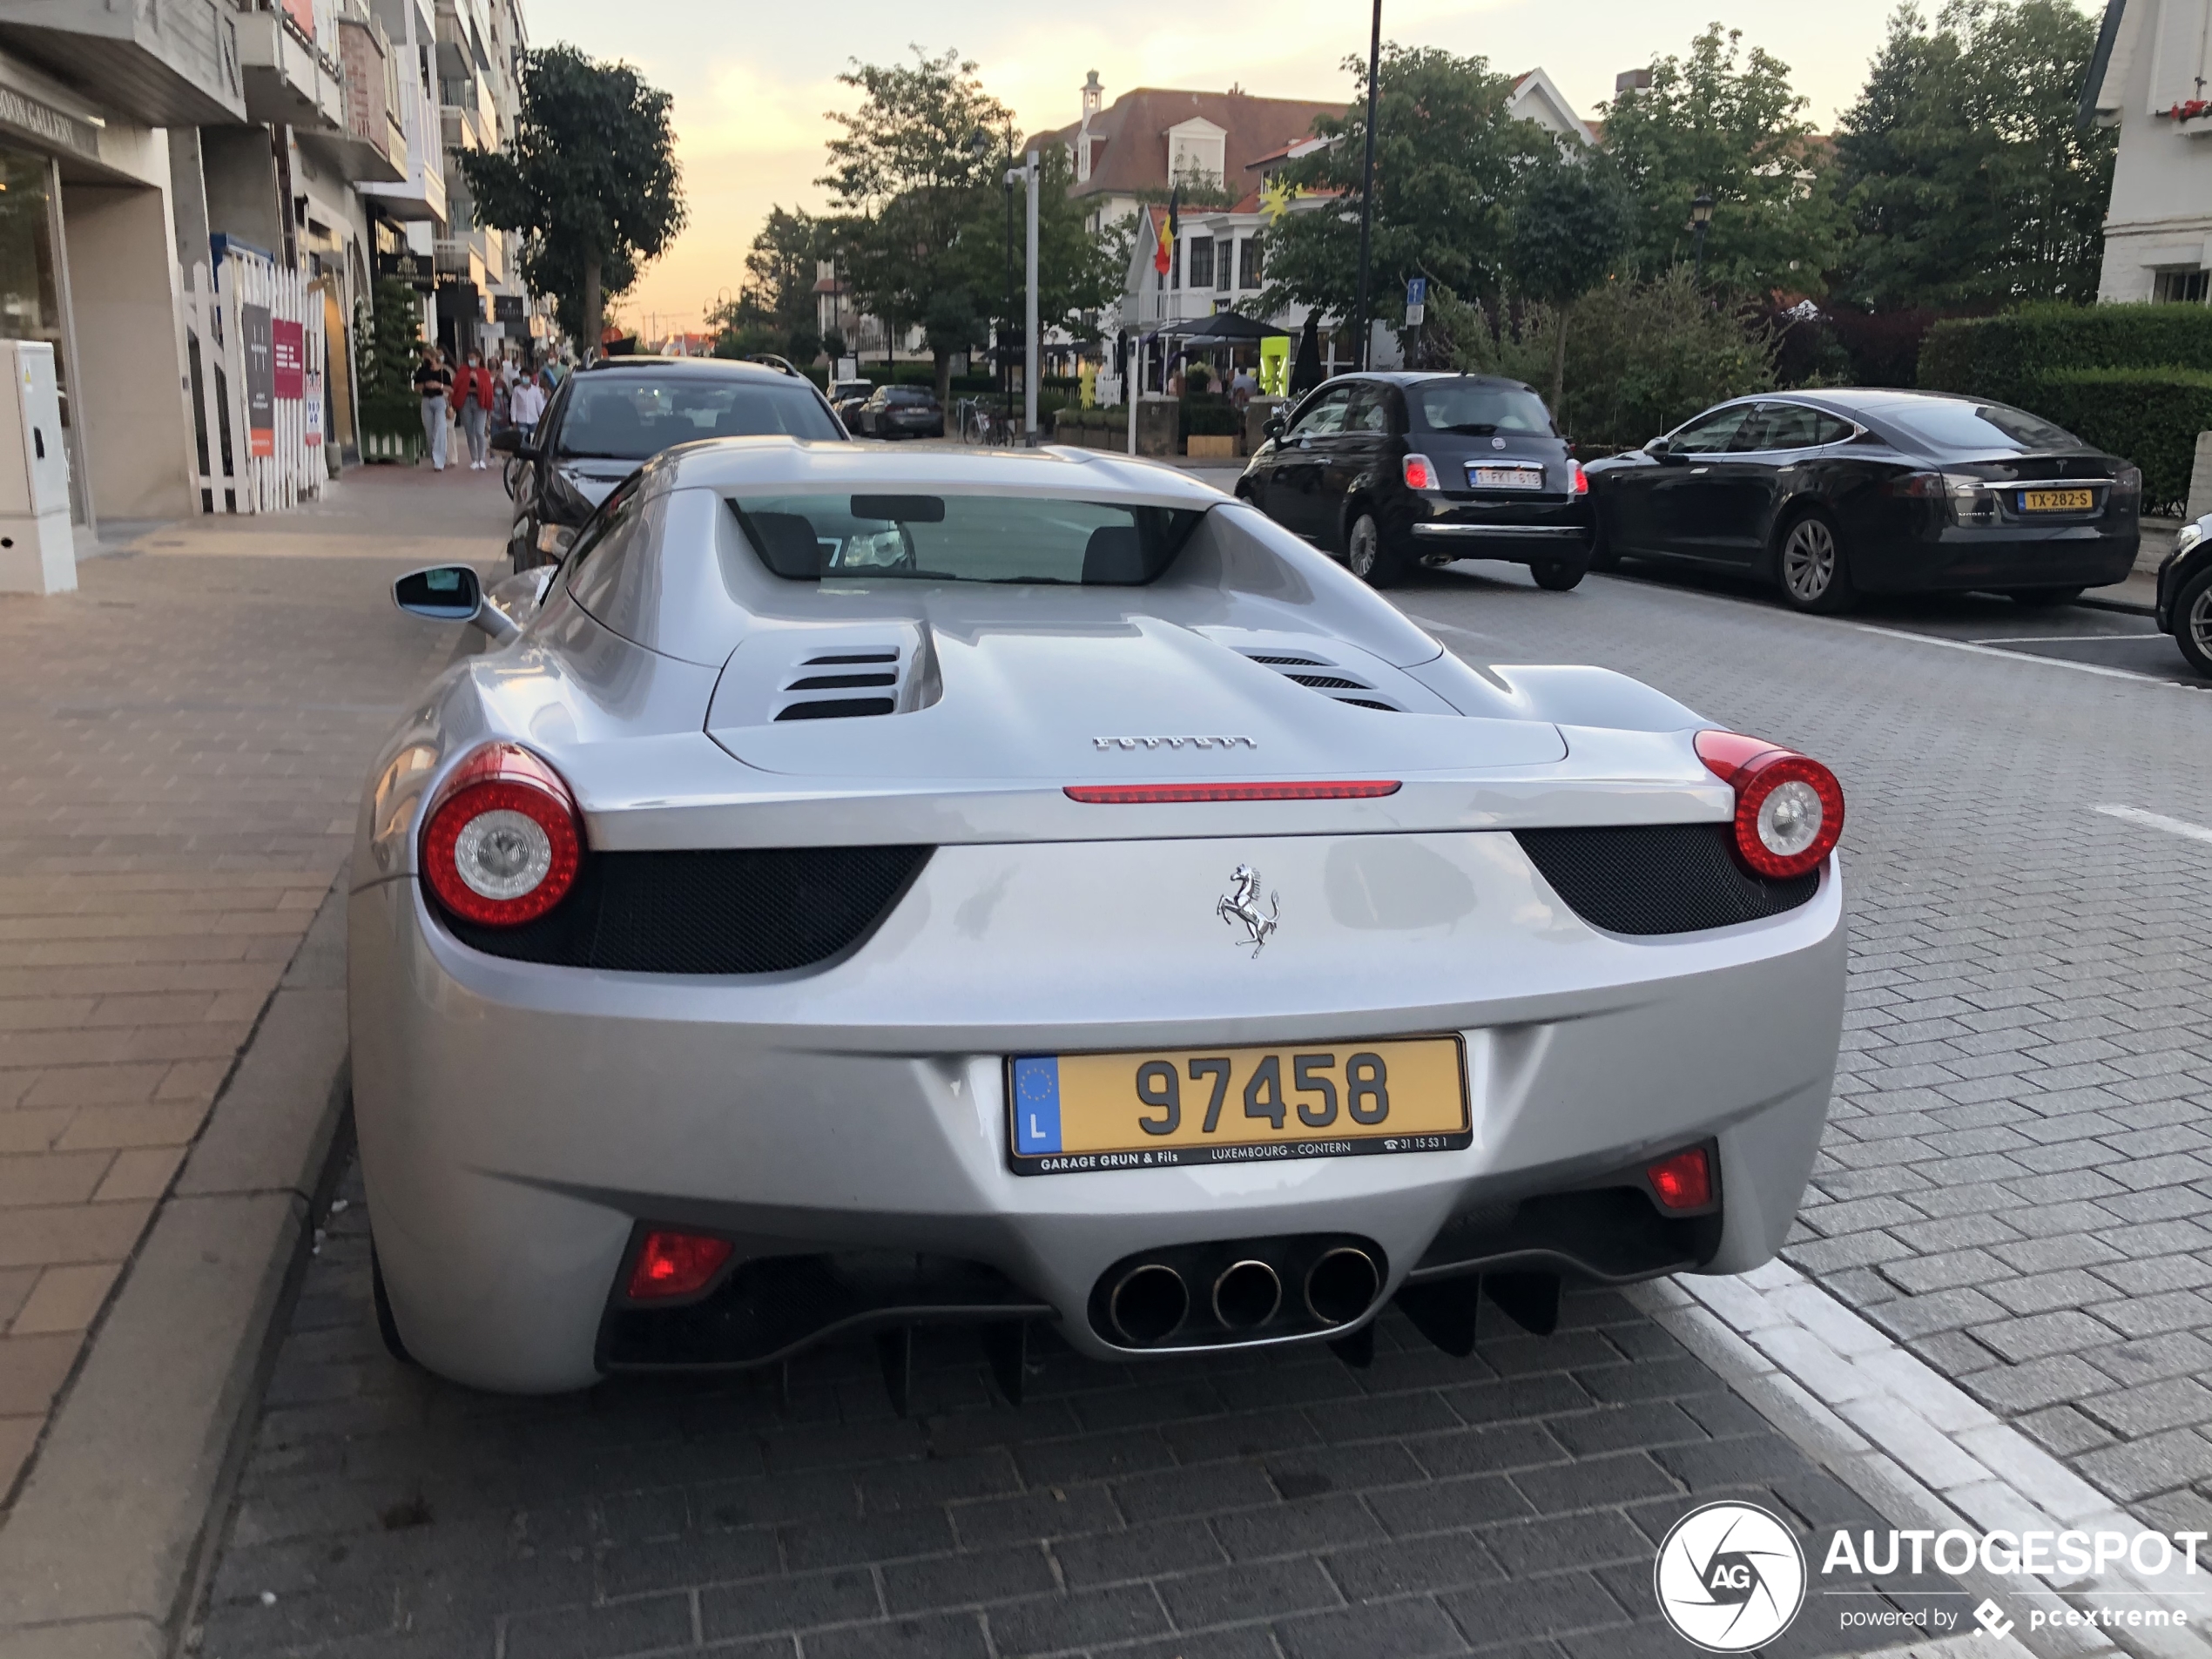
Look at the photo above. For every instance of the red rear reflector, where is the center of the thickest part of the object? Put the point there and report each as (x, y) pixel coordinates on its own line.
(1682, 1182)
(1132, 794)
(676, 1265)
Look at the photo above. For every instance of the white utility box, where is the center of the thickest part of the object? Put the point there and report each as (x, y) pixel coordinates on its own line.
(38, 552)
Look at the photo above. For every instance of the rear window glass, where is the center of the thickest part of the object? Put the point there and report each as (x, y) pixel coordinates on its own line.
(1477, 410)
(914, 396)
(842, 538)
(630, 417)
(1946, 423)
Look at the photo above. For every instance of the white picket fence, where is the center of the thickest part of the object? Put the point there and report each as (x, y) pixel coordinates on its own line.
(232, 478)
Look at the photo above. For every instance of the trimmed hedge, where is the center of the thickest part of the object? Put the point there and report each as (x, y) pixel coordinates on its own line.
(1210, 418)
(2150, 415)
(2003, 357)
(2136, 379)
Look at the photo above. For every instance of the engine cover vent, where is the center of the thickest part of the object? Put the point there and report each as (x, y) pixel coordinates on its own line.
(826, 674)
(1336, 681)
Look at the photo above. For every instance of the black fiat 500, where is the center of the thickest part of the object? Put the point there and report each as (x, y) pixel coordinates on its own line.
(1829, 495)
(1394, 471)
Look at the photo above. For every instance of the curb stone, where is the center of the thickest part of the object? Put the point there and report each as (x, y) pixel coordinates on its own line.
(1916, 1447)
(103, 1543)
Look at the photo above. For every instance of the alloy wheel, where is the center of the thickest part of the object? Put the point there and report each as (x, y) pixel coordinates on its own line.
(1363, 547)
(2195, 624)
(1809, 560)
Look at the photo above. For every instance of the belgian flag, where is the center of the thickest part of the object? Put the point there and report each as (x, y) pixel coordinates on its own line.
(1164, 256)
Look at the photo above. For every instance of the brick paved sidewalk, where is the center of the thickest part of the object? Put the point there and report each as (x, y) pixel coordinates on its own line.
(182, 743)
(1271, 1506)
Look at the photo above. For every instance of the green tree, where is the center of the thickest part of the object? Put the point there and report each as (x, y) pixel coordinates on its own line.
(1966, 176)
(1724, 123)
(774, 311)
(1569, 222)
(908, 182)
(589, 179)
(1446, 150)
(1641, 357)
(387, 339)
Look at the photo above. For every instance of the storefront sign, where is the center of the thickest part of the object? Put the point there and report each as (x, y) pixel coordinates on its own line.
(48, 125)
(288, 342)
(260, 378)
(507, 307)
(414, 269)
(313, 410)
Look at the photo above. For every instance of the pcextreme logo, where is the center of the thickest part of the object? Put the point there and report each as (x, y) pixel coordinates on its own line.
(1729, 1577)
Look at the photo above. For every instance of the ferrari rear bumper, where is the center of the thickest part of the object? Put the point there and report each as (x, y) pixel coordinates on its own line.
(520, 1123)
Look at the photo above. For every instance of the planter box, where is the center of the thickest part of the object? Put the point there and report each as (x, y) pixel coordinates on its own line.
(1201, 444)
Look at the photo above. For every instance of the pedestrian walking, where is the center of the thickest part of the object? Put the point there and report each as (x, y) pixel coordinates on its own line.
(502, 397)
(527, 406)
(434, 386)
(472, 395)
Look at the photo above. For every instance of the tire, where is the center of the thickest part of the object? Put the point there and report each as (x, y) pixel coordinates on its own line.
(1557, 575)
(387, 1327)
(1367, 552)
(1810, 568)
(2193, 621)
(2042, 598)
(1603, 555)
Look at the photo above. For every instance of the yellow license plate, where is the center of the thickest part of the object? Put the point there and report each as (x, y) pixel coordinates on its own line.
(1075, 1112)
(2057, 501)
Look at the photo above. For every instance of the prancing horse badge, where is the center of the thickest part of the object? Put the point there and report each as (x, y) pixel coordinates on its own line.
(1241, 904)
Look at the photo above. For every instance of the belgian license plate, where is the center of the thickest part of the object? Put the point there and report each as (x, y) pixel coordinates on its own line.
(2057, 501)
(1506, 477)
(1077, 1112)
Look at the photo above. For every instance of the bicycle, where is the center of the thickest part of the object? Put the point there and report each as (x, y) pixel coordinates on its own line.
(978, 421)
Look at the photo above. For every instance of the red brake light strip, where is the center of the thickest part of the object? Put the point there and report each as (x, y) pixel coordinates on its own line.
(1136, 794)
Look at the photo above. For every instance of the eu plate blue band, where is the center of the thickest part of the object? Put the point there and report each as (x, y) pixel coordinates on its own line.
(1036, 1104)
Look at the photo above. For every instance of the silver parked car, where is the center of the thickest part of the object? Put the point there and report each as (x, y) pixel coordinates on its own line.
(861, 888)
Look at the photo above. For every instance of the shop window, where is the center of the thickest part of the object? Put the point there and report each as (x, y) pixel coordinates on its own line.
(2181, 288)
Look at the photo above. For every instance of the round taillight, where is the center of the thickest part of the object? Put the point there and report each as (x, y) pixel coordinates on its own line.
(1420, 473)
(1789, 807)
(502, 843)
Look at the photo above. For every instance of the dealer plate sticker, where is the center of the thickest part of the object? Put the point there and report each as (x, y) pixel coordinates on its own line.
(1073, 1112)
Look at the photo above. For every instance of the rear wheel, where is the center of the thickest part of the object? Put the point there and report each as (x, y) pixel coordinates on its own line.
(1558, 575)
(1814, 573)
(2041, 598)
(1369, 555)
(387, 1327)
(2193, 621)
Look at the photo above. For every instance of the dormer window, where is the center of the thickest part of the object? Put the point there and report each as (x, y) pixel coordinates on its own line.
(1196, 152)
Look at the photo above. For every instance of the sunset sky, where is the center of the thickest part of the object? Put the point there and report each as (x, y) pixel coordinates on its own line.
(752, 82)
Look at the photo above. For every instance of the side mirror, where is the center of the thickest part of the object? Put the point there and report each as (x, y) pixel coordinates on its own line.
(1274, 429)
(1656, 449)
(508, 440)
(556, 540)
(451, 593)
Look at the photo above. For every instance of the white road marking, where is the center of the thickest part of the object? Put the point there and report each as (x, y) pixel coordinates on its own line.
(2061, 639)
(2179, 826)
(2098, 669)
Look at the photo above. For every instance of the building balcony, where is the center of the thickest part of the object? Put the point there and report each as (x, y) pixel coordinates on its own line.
(288, 82)
(175, 64)
(372, 146)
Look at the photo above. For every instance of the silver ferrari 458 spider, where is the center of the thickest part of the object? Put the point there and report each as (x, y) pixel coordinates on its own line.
(863, 889)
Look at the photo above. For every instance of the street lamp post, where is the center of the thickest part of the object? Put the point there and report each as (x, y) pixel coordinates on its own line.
(1701, 220)
(1367, 195)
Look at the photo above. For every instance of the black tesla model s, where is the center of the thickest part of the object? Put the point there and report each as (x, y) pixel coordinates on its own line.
(1830, 494)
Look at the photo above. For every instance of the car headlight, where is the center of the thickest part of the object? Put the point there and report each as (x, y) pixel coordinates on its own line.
(2189, 536)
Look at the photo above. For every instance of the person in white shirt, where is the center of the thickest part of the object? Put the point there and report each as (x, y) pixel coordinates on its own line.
(527, 405)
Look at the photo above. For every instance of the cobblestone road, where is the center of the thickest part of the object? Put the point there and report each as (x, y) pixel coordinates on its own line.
(2017, 1179)
(1276, 1508)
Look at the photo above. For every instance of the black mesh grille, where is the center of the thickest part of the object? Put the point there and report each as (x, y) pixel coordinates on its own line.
(1658, 877)
(741, 911)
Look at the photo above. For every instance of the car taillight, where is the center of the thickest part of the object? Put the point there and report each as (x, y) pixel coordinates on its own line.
(2128, 481)
(503, 842)
(1919, 486)
(1578, 481)
(672, 1263)
(1682, 1182)
(1420, 473)
(1789, 807)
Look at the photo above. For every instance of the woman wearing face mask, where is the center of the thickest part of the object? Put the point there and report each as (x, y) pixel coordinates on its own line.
(472, 400)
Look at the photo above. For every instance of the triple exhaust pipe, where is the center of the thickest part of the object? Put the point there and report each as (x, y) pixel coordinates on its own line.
(1151, 1301)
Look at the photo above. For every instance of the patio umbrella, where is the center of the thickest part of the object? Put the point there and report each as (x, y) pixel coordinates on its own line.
(1222, 328)
(1305, 373)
